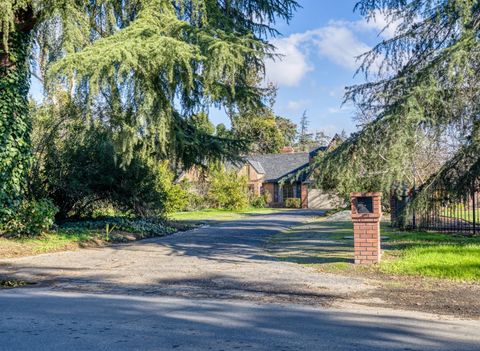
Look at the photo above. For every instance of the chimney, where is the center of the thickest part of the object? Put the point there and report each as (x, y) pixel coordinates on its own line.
(288, 150)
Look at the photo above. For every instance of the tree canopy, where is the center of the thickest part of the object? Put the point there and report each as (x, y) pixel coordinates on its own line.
(422, 84)
(142, 68)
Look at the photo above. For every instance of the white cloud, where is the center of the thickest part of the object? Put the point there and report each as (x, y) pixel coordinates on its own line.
(380, 23)
(297, 105)
(338, 42)
(292, 66)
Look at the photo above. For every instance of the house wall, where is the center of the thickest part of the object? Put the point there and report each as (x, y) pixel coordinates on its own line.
(318, 199)
(304, 196)
(255, 179)
(269, 188)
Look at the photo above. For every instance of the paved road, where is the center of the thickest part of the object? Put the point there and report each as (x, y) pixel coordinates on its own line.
(209, 289)
(50, 321)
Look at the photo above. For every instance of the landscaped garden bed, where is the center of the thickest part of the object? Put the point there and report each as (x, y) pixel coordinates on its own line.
(91, 233)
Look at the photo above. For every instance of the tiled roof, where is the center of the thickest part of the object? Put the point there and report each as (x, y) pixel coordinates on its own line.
(257, 166)
(277, 166)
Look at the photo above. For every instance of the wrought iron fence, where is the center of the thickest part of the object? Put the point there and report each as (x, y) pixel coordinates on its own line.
(442, 212)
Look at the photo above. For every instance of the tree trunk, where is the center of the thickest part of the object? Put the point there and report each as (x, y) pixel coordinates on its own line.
(15, 121)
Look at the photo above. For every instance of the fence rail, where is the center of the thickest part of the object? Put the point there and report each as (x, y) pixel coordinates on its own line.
(443, 213)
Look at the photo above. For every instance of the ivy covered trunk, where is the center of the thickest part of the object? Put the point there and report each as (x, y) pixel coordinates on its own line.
(14, 120)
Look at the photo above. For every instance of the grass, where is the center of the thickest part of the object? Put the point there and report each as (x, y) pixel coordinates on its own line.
(219, 214)
(466, 215)
(73, 235)
(325, 246)
(428, 254)
(451, 261)
(51, 242)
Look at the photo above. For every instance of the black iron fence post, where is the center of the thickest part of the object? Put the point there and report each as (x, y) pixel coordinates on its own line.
(414, 214)
(474, 212)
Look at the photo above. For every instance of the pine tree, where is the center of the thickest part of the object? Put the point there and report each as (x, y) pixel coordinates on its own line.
(288, 130)
(142, 67)
(305, 138)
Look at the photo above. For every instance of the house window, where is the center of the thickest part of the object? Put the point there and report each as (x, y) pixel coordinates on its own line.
(290, 191)
(275, 193)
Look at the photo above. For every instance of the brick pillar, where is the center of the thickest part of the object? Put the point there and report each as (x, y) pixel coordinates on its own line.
(304, 195)
(366, 215)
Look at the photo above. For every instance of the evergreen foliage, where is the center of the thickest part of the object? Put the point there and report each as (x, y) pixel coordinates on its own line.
(260, 131)
(258, 126)
(422, 84)
(305, 138)
(76, 167)
(288, 130)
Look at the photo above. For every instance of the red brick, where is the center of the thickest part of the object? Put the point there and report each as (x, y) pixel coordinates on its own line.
(367, 231)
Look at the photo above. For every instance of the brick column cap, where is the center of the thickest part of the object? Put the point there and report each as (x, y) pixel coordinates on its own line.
(377, 207)
(366, 194)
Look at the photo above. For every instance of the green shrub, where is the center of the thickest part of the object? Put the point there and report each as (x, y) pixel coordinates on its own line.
(81, 168)
(227, 190)
(176, 196)
(293, 203)
(146, 226)
(31, 218)
(196, 202)
(259, 201)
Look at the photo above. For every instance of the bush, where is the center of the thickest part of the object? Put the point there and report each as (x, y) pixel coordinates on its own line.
(196, 202)
(81, 168)
(176, 196)
(145, 226)
(259, 201)
(31, 218)
(293, 203)
(227, 190)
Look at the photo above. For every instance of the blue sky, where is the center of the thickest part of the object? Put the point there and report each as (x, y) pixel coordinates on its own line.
(319, 47)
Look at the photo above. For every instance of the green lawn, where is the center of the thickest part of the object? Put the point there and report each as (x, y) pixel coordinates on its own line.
(51, 242)
(429, 254)
(219, 214)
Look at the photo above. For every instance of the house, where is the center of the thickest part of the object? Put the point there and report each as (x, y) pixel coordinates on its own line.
(280, 177)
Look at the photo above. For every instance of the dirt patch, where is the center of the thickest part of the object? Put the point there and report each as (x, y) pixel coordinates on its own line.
(429, 295)
(432, 295)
